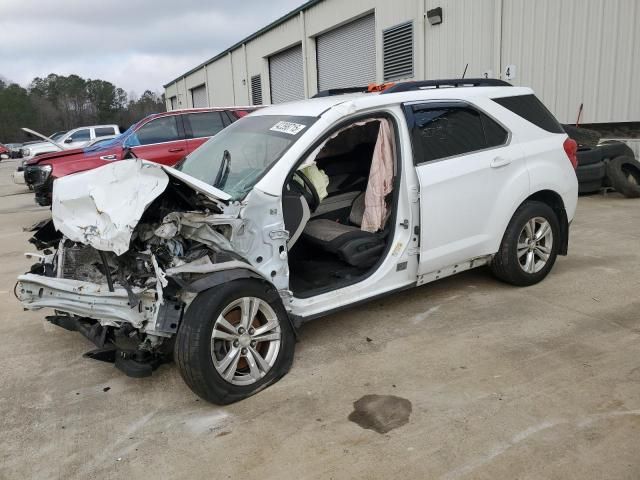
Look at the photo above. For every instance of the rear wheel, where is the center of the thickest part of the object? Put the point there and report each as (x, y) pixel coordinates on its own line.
(235, 340)
(530, 245)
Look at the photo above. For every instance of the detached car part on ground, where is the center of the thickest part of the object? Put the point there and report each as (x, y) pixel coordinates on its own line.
(294, 212)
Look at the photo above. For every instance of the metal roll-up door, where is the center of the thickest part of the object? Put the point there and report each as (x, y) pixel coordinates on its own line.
(347, 55)
(286, 75)
(199, 96)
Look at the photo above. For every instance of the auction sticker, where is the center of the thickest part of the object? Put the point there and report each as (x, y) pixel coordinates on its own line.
(288, 127)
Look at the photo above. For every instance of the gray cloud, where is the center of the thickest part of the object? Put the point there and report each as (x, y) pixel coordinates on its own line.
(136, 45)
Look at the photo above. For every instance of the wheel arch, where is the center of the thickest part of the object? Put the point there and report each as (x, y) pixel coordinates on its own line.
(220, 277)
(554, 200)
(214, 279)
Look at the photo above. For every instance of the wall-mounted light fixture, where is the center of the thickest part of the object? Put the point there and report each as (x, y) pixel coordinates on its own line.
(435, 16)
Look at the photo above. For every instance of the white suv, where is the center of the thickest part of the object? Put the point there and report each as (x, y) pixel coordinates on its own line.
(296, 211)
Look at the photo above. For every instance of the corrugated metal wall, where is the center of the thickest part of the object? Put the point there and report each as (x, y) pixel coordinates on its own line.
(568, 51)
(464, 36)
(346, 55)
(199, 97)
(286, 74)
(576, 51)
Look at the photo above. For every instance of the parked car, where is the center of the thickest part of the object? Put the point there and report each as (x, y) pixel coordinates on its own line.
(296, 211)
(76, 138)
(4, 152)
(14, 149)
(161, 137)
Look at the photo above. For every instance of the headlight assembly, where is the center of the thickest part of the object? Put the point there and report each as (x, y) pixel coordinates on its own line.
(37, 175)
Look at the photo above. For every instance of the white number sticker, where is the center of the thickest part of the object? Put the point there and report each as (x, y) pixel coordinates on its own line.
(288, 127)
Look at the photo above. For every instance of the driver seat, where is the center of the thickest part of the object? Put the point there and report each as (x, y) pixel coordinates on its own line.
(351, 244)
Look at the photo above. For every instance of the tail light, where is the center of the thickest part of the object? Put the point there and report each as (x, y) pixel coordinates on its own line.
(571, 149)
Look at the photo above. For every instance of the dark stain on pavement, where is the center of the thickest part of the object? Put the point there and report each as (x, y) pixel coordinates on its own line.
(381, 413)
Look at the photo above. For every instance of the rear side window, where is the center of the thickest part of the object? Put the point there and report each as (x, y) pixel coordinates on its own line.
(205, 124)
(105, 131)
(532, 110)
(446, 131)
(163, 129)
(493, 132)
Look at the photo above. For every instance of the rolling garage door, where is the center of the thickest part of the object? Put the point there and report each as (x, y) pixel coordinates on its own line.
(199, 97)
(286, 75)
(347, 55)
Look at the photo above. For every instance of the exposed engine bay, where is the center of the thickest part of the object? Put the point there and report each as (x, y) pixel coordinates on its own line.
(122, 269)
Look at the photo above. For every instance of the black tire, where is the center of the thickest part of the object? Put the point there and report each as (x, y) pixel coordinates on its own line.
(591, 173)
(624, 174)
(589, 156)
(506, 264)
(589, 187)
(583, 136)
(615, 148)
(193, 342)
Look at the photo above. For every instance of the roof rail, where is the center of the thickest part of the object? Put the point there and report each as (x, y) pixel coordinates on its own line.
(340, 91)
(454, 82)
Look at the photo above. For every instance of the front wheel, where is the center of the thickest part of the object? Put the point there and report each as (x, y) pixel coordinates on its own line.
(530, 245)
(234, 341)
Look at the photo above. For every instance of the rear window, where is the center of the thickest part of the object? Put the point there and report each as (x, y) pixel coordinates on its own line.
(450, 130)
(205, 124)
(104, 131)
(532, 110)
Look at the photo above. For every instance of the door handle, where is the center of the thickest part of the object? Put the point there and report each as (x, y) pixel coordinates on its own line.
(180, 149)
(500, 162)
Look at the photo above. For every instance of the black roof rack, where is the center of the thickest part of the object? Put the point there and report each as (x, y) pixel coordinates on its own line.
(340, 91)
(454, 82)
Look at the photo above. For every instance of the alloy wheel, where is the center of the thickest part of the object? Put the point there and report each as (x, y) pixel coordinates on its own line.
(245, 341)
(535, 244)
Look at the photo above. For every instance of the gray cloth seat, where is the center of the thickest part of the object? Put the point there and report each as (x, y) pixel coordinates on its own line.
(351, 244)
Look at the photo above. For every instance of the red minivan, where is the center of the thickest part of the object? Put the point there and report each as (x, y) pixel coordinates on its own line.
(161, 137)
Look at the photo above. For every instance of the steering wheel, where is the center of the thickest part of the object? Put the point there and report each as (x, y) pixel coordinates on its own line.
(314, 201)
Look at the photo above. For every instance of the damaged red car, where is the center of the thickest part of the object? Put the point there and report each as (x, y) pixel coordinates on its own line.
(164, 138)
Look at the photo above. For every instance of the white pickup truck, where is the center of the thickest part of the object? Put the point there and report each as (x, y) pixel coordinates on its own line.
(76, 138)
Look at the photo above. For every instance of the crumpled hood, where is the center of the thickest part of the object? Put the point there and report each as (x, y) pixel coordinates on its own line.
(55, 155)
(102, 207)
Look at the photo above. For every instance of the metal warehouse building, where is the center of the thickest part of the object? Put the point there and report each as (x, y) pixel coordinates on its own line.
(571, 52)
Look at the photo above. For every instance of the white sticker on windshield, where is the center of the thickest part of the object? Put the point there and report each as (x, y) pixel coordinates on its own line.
(288, 127)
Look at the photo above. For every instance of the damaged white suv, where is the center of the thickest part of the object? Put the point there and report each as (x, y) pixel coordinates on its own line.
(296, 211)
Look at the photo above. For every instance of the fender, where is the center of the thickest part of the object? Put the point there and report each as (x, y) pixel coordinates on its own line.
(555, 201)
(213, 279)
(219, 277)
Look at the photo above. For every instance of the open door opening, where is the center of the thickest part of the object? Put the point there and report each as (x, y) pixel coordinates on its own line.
(337, 207)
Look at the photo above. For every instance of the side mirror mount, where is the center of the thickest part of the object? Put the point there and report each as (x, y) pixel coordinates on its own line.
(68, 140)
(127, 152)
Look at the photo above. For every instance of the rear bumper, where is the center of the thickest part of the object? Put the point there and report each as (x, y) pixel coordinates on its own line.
(86, 299)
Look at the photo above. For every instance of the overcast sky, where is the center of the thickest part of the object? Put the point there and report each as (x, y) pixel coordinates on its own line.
(135, 44)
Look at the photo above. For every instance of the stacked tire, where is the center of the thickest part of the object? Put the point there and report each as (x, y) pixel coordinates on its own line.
(607, 164)
(623, 174)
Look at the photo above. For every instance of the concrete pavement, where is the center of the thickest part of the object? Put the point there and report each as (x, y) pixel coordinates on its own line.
(502, 382)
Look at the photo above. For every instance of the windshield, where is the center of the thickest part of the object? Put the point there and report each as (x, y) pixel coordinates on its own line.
(57, 135)
(237, 157)
(104, 144)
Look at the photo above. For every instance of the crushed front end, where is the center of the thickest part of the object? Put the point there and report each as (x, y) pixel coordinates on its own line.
(126, 252)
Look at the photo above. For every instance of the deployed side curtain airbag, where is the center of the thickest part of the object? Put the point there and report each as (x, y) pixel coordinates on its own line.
(380, 181)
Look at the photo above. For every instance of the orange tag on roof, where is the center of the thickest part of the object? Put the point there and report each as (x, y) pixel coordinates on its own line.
(379, 87)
